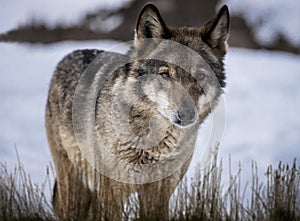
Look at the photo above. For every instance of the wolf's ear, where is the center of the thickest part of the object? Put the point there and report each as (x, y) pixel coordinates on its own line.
(215, 32)
(150, 24)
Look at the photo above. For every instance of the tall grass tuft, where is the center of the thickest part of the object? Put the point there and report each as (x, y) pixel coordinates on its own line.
(280, 198)
(202, 198)
(20, 198)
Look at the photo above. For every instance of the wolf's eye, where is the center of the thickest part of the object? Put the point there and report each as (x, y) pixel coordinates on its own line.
(164, 72)
(200, 76)
(141, 71)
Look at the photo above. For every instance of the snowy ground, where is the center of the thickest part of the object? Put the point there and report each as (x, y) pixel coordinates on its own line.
(262, 105)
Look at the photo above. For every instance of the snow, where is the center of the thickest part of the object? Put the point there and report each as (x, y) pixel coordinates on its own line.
(262, 107)
(270, 18)
(261, 102)
(15, 12)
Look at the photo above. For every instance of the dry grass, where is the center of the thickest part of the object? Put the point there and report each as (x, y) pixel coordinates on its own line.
(202, 198)
(20, 198)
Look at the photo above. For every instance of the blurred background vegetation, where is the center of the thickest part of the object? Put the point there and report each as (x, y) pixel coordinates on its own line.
(119, 24)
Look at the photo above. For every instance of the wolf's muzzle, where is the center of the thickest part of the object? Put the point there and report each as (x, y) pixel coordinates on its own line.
(184, 117)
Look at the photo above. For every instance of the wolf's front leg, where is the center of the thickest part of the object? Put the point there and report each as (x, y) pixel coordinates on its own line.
(108, 202)
(154, 199)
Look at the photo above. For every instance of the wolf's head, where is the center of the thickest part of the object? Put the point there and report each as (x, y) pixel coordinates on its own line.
(185, 89)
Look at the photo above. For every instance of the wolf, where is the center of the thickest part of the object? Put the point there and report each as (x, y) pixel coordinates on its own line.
(177, 98)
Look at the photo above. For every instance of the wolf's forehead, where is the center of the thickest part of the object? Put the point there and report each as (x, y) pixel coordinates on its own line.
(190, 37)
(168, 53)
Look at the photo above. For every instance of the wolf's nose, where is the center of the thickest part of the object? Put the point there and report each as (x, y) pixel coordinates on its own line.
(185, 117)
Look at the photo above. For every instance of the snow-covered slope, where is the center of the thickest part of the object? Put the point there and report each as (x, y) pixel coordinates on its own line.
(270, 18)
(262, 108)
(14, 13)
(262, 105)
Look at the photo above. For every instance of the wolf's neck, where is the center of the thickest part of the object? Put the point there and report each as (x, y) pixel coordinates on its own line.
(135, 152)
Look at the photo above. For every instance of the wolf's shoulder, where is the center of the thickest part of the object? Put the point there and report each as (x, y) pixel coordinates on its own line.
(79, 58)
(71, 67)
(68, 72)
